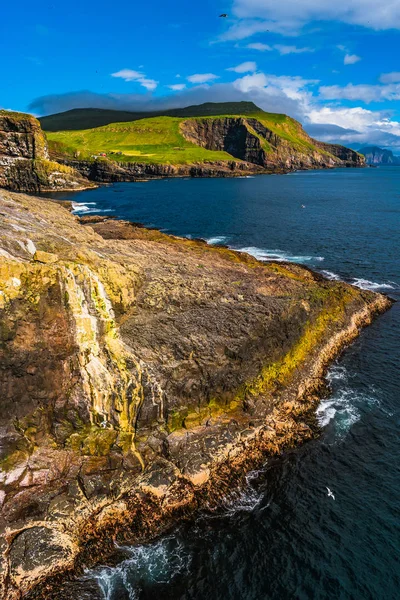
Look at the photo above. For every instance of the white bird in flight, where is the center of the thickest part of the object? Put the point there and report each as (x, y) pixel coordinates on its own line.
(330, 493)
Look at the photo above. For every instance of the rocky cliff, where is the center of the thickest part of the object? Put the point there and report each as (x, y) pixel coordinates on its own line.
(248, 139)
(211, 145)
(24, 158)
(379, 156)
(142, 375)
(346, 156)
(107, 171)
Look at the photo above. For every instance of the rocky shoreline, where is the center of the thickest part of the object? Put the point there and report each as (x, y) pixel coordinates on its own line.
(213, 363)
(159, 502)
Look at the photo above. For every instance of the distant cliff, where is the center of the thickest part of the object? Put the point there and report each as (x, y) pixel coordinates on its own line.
(378, 156)
(211, 140)
(24, 158)
(164, 146)
(251, 140)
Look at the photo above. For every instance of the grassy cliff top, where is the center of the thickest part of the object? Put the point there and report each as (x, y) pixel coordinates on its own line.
(158, 139)
(153, 140)
(87, 118)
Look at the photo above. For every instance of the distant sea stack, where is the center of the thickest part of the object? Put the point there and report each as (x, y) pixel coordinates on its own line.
(378, 156)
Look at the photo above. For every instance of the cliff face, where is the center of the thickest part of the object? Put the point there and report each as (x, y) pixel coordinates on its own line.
(250, 140)
(379, 156)
(197, 146)
(142, 376)
(24, 158)
(112, 171)
(347, 157)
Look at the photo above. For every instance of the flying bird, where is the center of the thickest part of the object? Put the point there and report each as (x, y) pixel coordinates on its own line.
(224, 15)
(330, 493)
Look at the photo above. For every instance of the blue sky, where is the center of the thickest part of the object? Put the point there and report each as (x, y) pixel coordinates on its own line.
(331, 64)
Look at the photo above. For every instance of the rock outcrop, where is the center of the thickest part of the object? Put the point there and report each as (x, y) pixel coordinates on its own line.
(142, 375)
(379, 156)
(346, 156)
(24, 158)
(248, 139)
(107, 171)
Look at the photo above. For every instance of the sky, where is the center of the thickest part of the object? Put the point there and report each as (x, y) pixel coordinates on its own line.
(332, 64)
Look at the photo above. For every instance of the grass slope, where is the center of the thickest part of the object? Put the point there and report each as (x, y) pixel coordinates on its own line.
(87, 118)
(158, 139)
(154, 140)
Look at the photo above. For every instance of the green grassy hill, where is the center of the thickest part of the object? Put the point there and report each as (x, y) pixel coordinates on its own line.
(160, 140)
(87, 118)
(154, 140)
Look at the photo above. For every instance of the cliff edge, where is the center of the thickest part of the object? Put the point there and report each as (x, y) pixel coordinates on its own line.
(142, 375)
(209, 140)
(25, 164)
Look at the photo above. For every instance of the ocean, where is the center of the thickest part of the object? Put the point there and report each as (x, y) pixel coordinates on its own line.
(283, 537)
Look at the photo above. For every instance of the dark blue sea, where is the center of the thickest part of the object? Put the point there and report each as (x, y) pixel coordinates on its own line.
(283, 537)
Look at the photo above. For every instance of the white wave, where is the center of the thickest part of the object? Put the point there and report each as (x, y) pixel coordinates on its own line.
(81, 207)
(365, 284)
(278, 255)
(218, 239)
(337, 373)
(341, 407)
(158, 563)
(331, 275)
(344, 408)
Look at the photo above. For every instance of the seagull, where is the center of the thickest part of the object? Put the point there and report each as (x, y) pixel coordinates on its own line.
(303, 206)
(330, 494)
(224, 15)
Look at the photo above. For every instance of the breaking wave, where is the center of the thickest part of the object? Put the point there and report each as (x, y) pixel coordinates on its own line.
(344, 407)
(330, 275)
(81, 207)
(218, 239)
(149, 564)
(365, 284)
(279, 255)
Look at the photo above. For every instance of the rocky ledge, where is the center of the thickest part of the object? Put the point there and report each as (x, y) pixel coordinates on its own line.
(142, 375)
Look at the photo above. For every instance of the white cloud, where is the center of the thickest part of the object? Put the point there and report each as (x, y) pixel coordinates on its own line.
(293, 88)
(364, 92)
(256, 16)
(351, 59)
(246, 67)
(375, 127)
(149, 84)
(138, 76)
(282, 49)
(128, 74)
(202, 77)
(259, 46)
(177, 87)
(393, 77)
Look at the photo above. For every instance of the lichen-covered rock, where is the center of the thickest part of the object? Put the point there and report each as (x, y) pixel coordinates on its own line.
(141, 376)
(24, 158)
